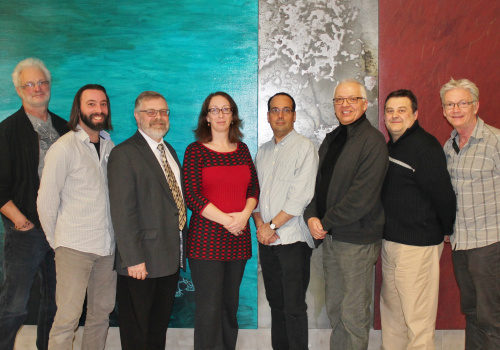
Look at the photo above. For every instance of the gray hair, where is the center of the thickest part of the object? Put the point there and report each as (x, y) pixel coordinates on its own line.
(465, 84)
(29, 62)
(146, 96)
(361, 86)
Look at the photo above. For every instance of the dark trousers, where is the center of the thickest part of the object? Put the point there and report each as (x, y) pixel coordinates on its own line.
(478, 276)
(26, 253)
(286, 272)
(217, 296)
(144, 309)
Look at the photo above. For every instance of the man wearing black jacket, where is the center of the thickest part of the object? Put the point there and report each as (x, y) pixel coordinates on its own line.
(347, 213)
(420, 209)
(25, 136)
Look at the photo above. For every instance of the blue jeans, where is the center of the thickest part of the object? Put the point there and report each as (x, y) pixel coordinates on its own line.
(25, 254)
(349, 283)
(286, 272)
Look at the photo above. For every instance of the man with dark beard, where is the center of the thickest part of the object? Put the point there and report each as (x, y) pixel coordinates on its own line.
(149, 217)
(73, 207)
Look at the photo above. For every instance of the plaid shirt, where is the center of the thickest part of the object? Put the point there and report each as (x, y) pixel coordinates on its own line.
(475, 175)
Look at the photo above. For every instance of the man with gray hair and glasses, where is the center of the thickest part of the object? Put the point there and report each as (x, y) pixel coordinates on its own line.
(25, 137)
(473, 158)
(346, 212)
(149, 218)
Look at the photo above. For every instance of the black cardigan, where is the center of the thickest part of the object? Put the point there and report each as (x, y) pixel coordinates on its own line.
(418, 198)
(354, 211)
(19, 156)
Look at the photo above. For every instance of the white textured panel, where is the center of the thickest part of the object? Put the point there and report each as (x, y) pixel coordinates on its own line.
(305, 48)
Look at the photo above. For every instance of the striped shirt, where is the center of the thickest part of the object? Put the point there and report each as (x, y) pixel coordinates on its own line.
(475, 175)
(73, 200)
(287, 176)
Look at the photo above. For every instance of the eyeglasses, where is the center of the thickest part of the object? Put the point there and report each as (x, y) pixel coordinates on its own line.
(276, 111)
(350, 100)
(461, 105)
(216, 111)
(153, 112)
(41, 83)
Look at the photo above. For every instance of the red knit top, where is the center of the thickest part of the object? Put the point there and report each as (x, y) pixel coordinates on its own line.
(226, 180)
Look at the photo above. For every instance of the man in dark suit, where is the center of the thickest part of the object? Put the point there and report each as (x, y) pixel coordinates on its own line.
(149, 219)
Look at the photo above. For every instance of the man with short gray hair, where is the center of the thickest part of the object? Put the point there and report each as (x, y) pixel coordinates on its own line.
(25, 137)
(149, 218)
(473, 157)
(346, 212)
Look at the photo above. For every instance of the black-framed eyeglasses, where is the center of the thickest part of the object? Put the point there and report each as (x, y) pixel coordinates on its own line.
(276, 111)
(350, 100)
(216, 111)
(41, 83)
(153, 112)
(461, 105)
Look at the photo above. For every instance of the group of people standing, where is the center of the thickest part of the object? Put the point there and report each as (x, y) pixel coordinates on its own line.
(69, 198)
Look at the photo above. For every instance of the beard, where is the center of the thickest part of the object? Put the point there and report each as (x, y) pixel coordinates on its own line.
(157, 131)
(87, 120)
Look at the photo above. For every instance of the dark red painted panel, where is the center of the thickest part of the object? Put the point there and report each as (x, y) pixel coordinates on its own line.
(422, 44)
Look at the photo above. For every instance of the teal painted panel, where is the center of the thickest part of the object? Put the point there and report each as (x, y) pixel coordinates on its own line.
(182, 49)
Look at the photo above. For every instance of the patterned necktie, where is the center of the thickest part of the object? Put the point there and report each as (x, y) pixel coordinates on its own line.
(172, 183)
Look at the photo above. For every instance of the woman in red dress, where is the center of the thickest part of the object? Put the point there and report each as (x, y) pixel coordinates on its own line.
(222, 191)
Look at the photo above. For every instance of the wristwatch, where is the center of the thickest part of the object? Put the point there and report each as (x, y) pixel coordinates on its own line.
(272, 226)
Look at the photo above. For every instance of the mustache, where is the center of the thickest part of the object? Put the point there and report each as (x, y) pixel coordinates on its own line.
(157, 122)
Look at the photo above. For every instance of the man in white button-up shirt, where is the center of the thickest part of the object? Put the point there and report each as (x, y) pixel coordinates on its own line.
(286, 166)
(73, 206)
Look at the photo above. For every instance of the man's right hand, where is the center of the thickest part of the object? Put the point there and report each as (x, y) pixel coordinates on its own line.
(316, 228)
(24, 225)
(138, 271)
(20, 221)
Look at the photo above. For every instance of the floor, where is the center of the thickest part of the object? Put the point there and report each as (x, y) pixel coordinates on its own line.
(249, 339)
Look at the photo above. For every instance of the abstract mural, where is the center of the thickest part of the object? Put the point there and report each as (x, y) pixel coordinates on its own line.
(182, 49)
(306, 48)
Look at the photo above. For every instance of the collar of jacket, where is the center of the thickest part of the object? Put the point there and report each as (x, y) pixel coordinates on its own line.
(405, 135)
